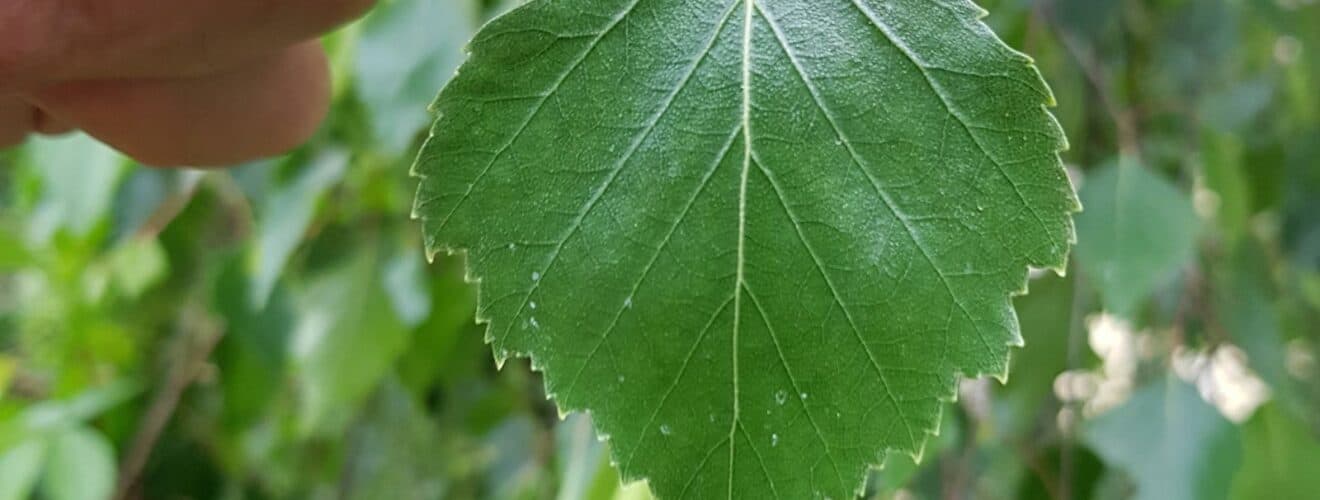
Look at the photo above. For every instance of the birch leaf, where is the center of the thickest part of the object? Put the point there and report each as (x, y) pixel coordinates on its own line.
(758, 239)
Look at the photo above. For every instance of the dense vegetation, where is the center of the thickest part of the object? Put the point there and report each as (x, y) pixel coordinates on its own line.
(274, 330)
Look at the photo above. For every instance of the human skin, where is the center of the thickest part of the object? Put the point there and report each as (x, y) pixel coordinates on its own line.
(169, 82)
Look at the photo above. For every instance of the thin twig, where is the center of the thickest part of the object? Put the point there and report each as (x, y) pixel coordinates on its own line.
(1098, 75)
(1031, 459)
(189, 355)
(1076, 338)
(168, 210)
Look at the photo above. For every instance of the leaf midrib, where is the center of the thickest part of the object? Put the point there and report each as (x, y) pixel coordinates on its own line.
(740, 279)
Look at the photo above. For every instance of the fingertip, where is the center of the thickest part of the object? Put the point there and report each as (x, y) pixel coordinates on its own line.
(262, 110)
(15, 121)
(339, 12)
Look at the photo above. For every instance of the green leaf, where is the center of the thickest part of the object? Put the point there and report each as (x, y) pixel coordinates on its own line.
(254, 350)
(80, 465)
(8, 368)
(441, 353)
(53, 416)
(285, 216)
(900, 470)
(138, 264)
(1279, 458)
(1172, 443)
(13, 255)
(512, 471)
(20, 469)
(1135, 234)
(717, 224)
(1248, 313)
(79, 176)
(408, 48)
(405, 284)
(345, 342)
(1224, 175)
(396, 451)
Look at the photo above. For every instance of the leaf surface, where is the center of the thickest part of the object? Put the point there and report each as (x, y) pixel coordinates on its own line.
(1173, 444)
(347, 337)
(80, 465)
(1136, 233)
(408, 48)
(757, 239)
(1279, 458)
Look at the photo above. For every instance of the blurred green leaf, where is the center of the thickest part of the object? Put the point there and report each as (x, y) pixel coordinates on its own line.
(396, 452)
(1235, 108)
(8, 367)
(286, 212)
(345, 342)
(253, 354)
(407, 50)
(1222, 160)
(1247, 310)
(142, 194)
(513, 472)
(1137, 231)
(405, 283)
(1301, 226)
(1280, 456)
(80, 465)
(579, 457)
(54, 416)
(435, 352)
(20, 469)
(13, 254)
(1173, 444)
(79, 177)
(138, 264)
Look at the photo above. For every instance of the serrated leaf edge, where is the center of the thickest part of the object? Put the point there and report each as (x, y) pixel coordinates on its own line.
(949, 397)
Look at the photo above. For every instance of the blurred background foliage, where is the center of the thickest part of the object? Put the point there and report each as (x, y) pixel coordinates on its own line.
(274, 330)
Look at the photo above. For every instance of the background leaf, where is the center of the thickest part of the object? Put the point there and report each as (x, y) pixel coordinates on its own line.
(20, 469)
(1136, 233)
(80, 465)
(1278, 453)
(407, 50)
(344, 343)
(1172, 444)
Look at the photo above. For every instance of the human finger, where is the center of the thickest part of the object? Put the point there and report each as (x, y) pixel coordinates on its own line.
(262, 109)
(61, 40)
